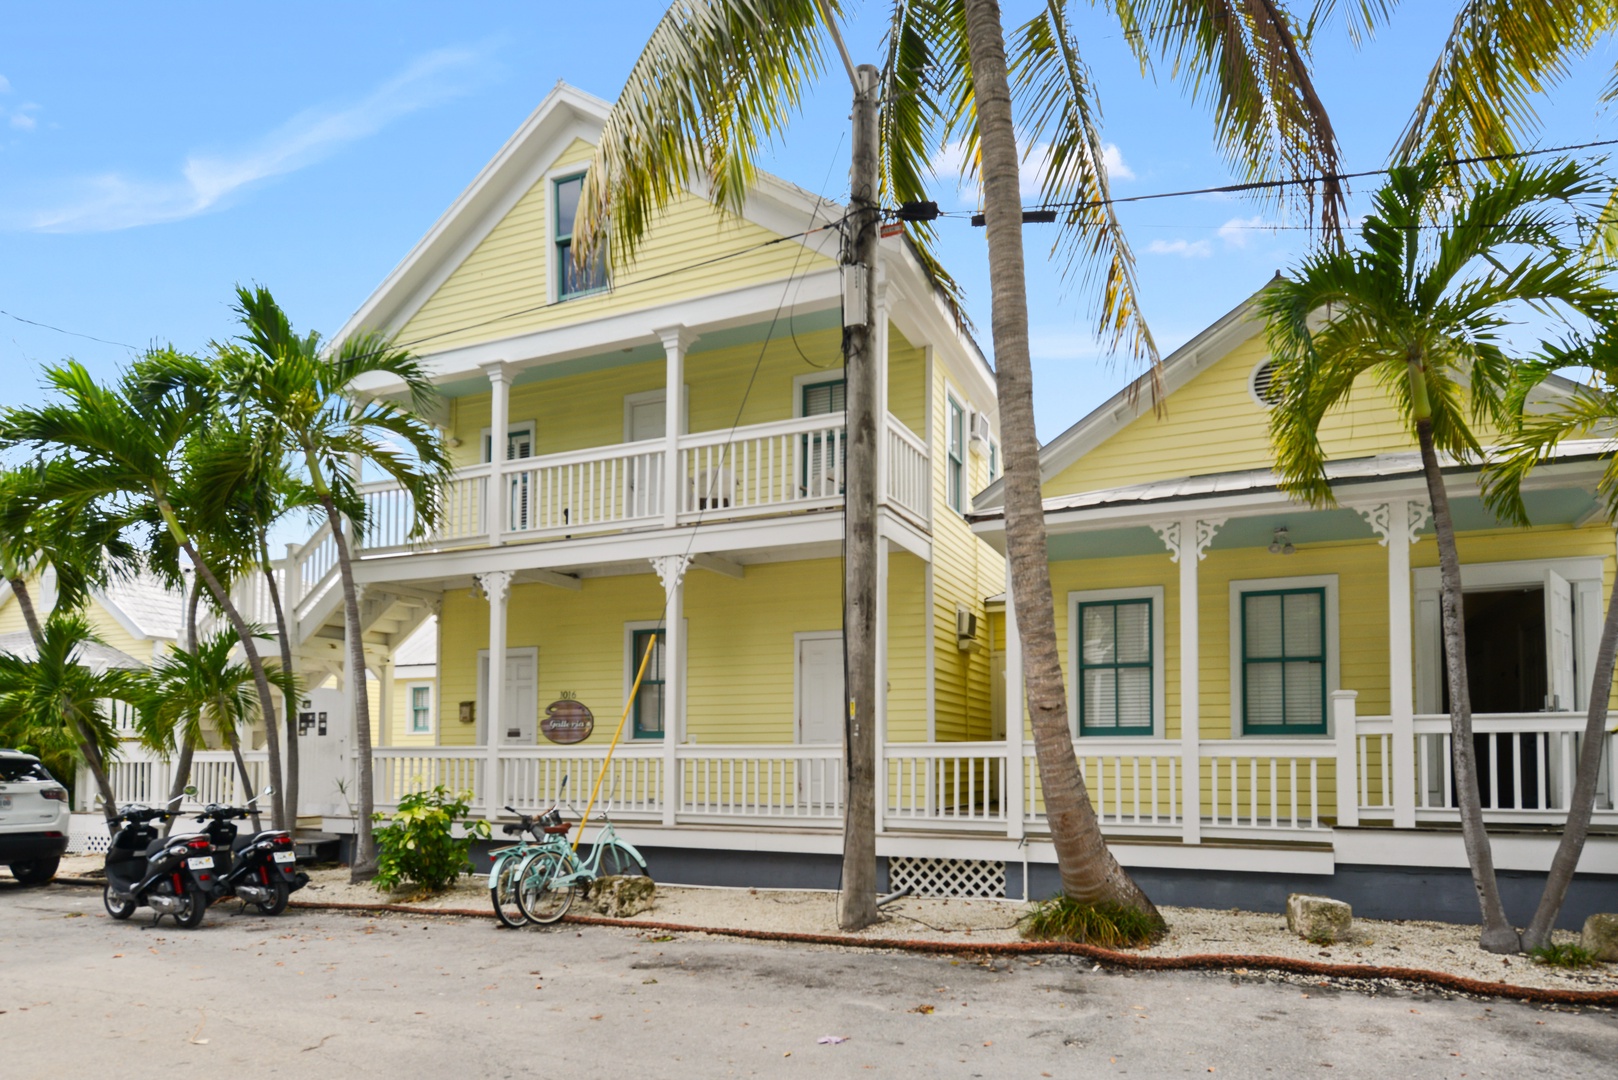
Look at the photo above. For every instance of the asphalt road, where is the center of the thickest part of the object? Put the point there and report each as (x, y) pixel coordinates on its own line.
(325, 994)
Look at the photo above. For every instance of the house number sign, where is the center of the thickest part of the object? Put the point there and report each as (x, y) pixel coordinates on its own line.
(567, 721)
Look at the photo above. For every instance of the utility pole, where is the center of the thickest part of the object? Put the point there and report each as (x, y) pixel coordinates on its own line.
(856, 905)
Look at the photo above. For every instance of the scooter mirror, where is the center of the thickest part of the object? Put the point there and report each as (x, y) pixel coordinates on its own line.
(268, 791)
(191, 789)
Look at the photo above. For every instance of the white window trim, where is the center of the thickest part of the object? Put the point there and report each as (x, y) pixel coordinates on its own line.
(1583, 574)
(966, 456)
(797, 674)
(1238, 705)
(632, 665)
(482, 717)
(646, 397)
(553, 280)
(410, 709)
(485, 437)
(1075, 641)
(815, 378)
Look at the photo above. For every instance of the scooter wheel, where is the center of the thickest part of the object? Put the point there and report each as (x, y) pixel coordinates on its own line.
(196, 906)
(118, 909)
(278, 903)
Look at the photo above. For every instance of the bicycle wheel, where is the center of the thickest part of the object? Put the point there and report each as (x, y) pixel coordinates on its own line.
(503, 892)
(616, 860)
(537, 894)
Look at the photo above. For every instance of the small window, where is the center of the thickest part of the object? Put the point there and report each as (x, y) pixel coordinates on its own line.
(825, 397)
(649, 712)
(421, 710)
(957, 457)
(994, 461)
(571, 280)
(1284, 662)
(825, 453)
(1115, 667)
(1262, 384)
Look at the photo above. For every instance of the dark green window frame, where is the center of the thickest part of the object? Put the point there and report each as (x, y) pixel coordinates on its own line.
(568, 280)
(1115, 666)
(652, 678)
(1286, 657)
(814, 445)
(955, 440)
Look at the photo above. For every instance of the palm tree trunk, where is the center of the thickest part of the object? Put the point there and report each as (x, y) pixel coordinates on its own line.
(261, 682)
(364, 867)
(289, 797)
(1089, 871)
(182, 764)
(98, 770)
(25, 603)
(1577, 827)
(1498, 934)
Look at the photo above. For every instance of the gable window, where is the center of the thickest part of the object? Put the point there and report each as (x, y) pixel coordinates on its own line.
(1115, 667)
(1283, 656)
(649, 702)
(421, 710)
(956, 444)
(572, 280)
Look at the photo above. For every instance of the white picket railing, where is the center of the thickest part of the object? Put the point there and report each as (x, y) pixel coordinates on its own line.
(401, 771)
(789, 464)
(1269, 783)
(793, 782)
(910, 476)
(531, 778)
(604, 487)
(963, 784)
(1131, 782)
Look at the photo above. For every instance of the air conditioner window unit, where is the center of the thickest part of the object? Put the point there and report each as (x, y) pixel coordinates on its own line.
(980, 428)
(966, 628)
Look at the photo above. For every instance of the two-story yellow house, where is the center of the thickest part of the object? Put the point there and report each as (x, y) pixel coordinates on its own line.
(651, 455)
(1257, 688)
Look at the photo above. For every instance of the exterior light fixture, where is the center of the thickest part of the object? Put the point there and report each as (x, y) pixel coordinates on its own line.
(1281, 544)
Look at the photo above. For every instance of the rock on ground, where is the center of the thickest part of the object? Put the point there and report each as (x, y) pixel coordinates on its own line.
(1319, 918)
(621, 896)
(1601, 937)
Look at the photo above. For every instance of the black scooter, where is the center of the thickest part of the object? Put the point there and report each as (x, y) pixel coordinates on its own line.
(259, 869)
(171, 876)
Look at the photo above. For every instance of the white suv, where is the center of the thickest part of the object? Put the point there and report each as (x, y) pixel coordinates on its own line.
(33, 818)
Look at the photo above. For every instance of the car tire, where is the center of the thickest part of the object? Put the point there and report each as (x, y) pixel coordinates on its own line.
(36, 871)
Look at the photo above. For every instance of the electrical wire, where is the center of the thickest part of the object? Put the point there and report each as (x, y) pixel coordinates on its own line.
(69, 333)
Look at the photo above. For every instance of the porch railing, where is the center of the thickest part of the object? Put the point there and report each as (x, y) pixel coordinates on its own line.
(763, 468)
(961, 784)
(603, 487)
(1133, 783)
(738, 783)
(910, 477)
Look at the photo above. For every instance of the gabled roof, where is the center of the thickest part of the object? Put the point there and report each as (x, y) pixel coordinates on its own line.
(97, 657)
(145, 606)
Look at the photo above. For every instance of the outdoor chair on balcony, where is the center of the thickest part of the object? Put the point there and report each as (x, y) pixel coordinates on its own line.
(712, 489)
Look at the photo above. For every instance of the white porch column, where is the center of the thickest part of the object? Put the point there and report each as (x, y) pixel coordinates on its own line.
(384, 724)
(1016, 767)
(881, 680)
(676, 339)
(671, 572)
(879, 346)
(499, 374)
(1187, 541)
(496, 585)
(1398, 525)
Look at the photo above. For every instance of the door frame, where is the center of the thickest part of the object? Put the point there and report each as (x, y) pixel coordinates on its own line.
(646, 397)
(483, 716)
(798, 639)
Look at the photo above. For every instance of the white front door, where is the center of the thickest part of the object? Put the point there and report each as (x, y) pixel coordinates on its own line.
(821, 704)
(519, 723)
(645, 419)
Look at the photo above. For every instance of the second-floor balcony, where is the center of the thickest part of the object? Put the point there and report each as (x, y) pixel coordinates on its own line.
(781, 467)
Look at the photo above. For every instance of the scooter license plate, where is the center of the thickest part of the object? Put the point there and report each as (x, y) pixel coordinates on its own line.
(284, 857)
(201, 862)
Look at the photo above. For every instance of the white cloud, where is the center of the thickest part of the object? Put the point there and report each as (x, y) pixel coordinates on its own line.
(23, 119)
(1186, 249)
(1237, 231)
(1113, 158)
(208, 180)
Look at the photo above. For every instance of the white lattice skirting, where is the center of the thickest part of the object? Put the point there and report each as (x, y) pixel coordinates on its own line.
(87, 835)
(948, 877)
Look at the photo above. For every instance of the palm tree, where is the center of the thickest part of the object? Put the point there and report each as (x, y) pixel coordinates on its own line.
(308, 398)
(1421, 307)
(192, 690)
(56, 698)
(719, 77)
(121, 451)
(1590, 410)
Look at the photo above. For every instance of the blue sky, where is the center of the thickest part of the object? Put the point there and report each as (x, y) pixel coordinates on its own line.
(153, 156)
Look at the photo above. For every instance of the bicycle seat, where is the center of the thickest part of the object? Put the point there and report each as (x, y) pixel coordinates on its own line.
(511, 830)
(559, 830)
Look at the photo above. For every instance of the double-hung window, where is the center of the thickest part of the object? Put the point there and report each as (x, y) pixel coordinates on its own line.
(1115, 667)
(649, 699)
(825, 452)
(573, 280)
(421, 710)
(1284, 661)
(957, 456)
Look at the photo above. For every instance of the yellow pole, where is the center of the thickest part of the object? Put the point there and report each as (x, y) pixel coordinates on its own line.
(605, 765)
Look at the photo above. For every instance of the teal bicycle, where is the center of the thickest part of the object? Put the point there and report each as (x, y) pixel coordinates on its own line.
(549, 877)
(549, 834)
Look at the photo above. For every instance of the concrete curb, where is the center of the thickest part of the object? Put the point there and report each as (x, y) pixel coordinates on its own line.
(1110, 957)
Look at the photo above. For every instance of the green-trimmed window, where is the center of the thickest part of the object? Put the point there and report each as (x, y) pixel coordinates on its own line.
(1284, 662)
(571, 280)
(649, 711)
(1115, 667)
(825, 455)
(957, 456)
(421, 710)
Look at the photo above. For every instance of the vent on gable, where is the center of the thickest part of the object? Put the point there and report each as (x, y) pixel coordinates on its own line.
(1262, 384)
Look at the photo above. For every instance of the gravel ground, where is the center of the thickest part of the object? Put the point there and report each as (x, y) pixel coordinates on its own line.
(1432, 946)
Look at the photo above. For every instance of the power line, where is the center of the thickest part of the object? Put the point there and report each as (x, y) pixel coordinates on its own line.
(69, 333)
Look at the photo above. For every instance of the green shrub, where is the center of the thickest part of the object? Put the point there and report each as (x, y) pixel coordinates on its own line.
(419, 845)
(1564, 956)
(1108, 925)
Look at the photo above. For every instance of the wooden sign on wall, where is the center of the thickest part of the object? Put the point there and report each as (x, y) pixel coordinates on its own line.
(567, 721)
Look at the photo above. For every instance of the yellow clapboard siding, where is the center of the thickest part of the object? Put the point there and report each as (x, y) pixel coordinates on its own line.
(907, 382)
(399, 715)
(502, 285)
(908, 626)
